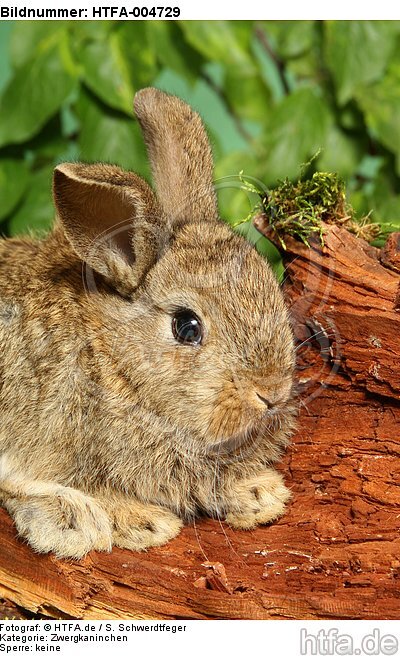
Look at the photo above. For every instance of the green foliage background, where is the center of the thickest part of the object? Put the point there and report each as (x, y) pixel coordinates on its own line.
(271, 93)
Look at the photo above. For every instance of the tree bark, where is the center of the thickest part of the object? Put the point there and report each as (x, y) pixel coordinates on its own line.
(336, 552)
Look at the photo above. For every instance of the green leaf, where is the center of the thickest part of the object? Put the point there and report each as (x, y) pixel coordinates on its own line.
(222, 41)
(107, 136)
(50, 146)
(375, 192)
(116, 63)
(88, 29)
(307, 68)
(296, 130)
(5, 67)
(268, 71)
(106, 73)
(351, 118)
(167, 41)
(341, 153)
(247, 95)
(36, 213)
(388, 211)
(13, 181)
(33, 95)
(380, 103)
(287, 38)
(138, 55)
(236, 201)
(383, 200)
(370, 166)
(359, 201)
(31, 38)
(357, 53)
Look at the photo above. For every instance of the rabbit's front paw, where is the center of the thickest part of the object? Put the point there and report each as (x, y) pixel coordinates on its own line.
(257, 500)
(138, 526)
(69, 525)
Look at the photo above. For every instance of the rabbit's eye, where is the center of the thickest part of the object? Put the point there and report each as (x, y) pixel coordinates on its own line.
(186, 327)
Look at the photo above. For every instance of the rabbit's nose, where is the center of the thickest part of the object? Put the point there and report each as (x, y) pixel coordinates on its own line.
(271, 397)
(267, 402)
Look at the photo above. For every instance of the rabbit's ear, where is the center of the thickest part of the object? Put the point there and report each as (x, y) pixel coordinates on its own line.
(111, 219)
(180, 156)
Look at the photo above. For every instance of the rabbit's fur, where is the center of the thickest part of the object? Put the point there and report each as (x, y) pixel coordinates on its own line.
(111, 431)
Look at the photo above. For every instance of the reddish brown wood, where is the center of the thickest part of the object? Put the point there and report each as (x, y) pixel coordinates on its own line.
(344, 291)
(336, 553)
(390, 253)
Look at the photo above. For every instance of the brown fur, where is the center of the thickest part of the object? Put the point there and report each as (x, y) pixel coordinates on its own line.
(111, 431)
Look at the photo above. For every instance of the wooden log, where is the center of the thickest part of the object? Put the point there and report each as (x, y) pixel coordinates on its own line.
(336, 552)
(344, 292)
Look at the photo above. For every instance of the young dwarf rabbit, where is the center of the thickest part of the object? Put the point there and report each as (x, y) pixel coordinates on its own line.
(147, 359)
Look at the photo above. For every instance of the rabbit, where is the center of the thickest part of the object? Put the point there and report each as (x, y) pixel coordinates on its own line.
(147, 356)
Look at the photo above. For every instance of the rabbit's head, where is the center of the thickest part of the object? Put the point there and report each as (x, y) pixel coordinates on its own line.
(194, 316)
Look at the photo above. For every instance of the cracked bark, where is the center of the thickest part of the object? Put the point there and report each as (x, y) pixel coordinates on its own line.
(336, 553)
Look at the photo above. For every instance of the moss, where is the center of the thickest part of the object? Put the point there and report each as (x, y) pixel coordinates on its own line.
(300, 209)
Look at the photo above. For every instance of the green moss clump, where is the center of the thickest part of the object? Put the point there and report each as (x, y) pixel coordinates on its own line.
(301, 208)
